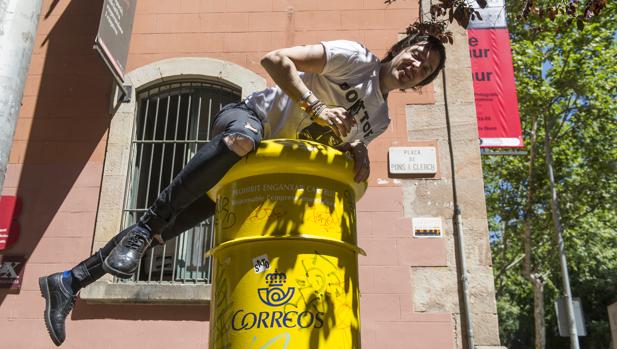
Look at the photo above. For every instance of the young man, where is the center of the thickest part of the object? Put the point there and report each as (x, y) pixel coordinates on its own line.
(334, 92)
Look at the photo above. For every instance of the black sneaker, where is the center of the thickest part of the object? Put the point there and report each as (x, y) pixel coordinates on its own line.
(58, 304)
(124, 259)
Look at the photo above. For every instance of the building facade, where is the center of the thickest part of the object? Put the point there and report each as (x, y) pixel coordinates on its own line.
(84, 167)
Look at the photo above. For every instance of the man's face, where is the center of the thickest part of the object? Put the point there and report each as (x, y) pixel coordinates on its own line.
(412, 65)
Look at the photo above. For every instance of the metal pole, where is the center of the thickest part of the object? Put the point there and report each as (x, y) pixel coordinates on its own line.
(458, 227)
(558, 229)
(464, 279)
(19, 20)
(457, 217)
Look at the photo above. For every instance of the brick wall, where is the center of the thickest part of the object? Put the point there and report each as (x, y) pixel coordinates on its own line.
(58, 153)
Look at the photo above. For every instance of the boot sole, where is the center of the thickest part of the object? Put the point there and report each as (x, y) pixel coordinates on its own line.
(116, 272)
(45, 294)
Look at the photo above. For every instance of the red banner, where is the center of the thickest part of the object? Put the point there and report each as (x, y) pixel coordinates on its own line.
(9, 227)
(499, 123)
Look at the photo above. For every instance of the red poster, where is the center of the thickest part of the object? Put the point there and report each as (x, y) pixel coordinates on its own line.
(499, 124)
(9, 227)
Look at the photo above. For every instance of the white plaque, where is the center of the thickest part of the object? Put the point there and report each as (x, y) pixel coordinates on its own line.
(427, 227)
(413, 160)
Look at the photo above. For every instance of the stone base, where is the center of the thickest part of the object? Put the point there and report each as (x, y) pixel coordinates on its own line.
(107, 292)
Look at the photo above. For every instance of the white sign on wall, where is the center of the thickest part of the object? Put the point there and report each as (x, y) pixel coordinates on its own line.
(413, 160)
(427, 227)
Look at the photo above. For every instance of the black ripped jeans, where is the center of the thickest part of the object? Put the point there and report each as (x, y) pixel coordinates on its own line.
(184, 203)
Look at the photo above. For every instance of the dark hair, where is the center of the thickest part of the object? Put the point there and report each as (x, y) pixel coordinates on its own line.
(412, 39)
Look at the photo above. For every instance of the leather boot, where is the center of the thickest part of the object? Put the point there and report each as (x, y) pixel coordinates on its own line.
(124, 258)
(58, 304)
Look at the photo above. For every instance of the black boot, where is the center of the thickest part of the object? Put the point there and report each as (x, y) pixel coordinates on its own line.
(202, 172)
(124, 258)
(59, 300)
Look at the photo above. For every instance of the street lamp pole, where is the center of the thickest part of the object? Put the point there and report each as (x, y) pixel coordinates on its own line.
(558, 230)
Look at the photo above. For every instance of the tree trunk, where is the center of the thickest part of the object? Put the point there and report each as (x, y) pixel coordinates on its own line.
(529, 203)
(538, 311)
(536, 280)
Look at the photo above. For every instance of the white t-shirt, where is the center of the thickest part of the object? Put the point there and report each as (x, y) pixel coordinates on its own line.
(350, 79)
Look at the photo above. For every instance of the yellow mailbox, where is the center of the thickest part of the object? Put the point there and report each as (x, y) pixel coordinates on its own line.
(285, 255)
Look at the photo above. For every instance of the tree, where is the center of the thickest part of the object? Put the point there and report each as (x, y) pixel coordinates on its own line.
(567, 83)
(444, 12)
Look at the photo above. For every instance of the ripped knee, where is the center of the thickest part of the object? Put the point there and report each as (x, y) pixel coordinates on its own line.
(239, 143)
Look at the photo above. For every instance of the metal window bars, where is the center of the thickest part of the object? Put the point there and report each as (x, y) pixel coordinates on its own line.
(173, 122)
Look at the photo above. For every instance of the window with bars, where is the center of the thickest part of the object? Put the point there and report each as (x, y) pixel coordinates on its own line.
(173, 121)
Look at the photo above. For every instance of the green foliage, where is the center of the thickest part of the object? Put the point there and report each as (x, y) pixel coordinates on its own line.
(567, 75)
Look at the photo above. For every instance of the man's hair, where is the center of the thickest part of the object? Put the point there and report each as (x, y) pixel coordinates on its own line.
(412, 39)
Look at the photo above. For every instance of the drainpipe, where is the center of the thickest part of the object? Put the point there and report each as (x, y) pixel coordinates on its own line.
(457, 218)
(458, 231)
(19, 20)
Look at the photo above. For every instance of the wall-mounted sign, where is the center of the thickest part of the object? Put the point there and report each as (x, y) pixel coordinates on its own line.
(427, 227)
(412, 160)
(9, 227)
(113, 38)
(11, 271)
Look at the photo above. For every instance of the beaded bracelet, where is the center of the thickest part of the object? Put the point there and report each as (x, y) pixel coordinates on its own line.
(315, 110)
(305, 96)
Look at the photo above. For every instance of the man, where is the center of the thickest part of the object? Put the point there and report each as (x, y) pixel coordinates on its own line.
(334, 92)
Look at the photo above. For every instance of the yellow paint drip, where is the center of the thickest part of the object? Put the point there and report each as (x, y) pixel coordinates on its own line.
(285, 261)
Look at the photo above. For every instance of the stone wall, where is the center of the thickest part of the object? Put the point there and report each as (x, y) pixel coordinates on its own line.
(436, 288)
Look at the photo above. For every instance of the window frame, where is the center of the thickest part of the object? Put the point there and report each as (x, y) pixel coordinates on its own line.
(116, 169)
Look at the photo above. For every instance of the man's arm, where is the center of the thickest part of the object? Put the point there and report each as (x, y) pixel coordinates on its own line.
(362, 165)
(283, 66)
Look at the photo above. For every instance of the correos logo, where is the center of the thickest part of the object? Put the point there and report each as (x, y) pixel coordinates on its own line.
(275, 296)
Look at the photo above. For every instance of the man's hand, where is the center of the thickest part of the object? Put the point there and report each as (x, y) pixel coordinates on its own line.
(338, 119)
(362, 166)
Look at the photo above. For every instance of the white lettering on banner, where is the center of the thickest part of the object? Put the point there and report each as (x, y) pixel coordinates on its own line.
(113, 15)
